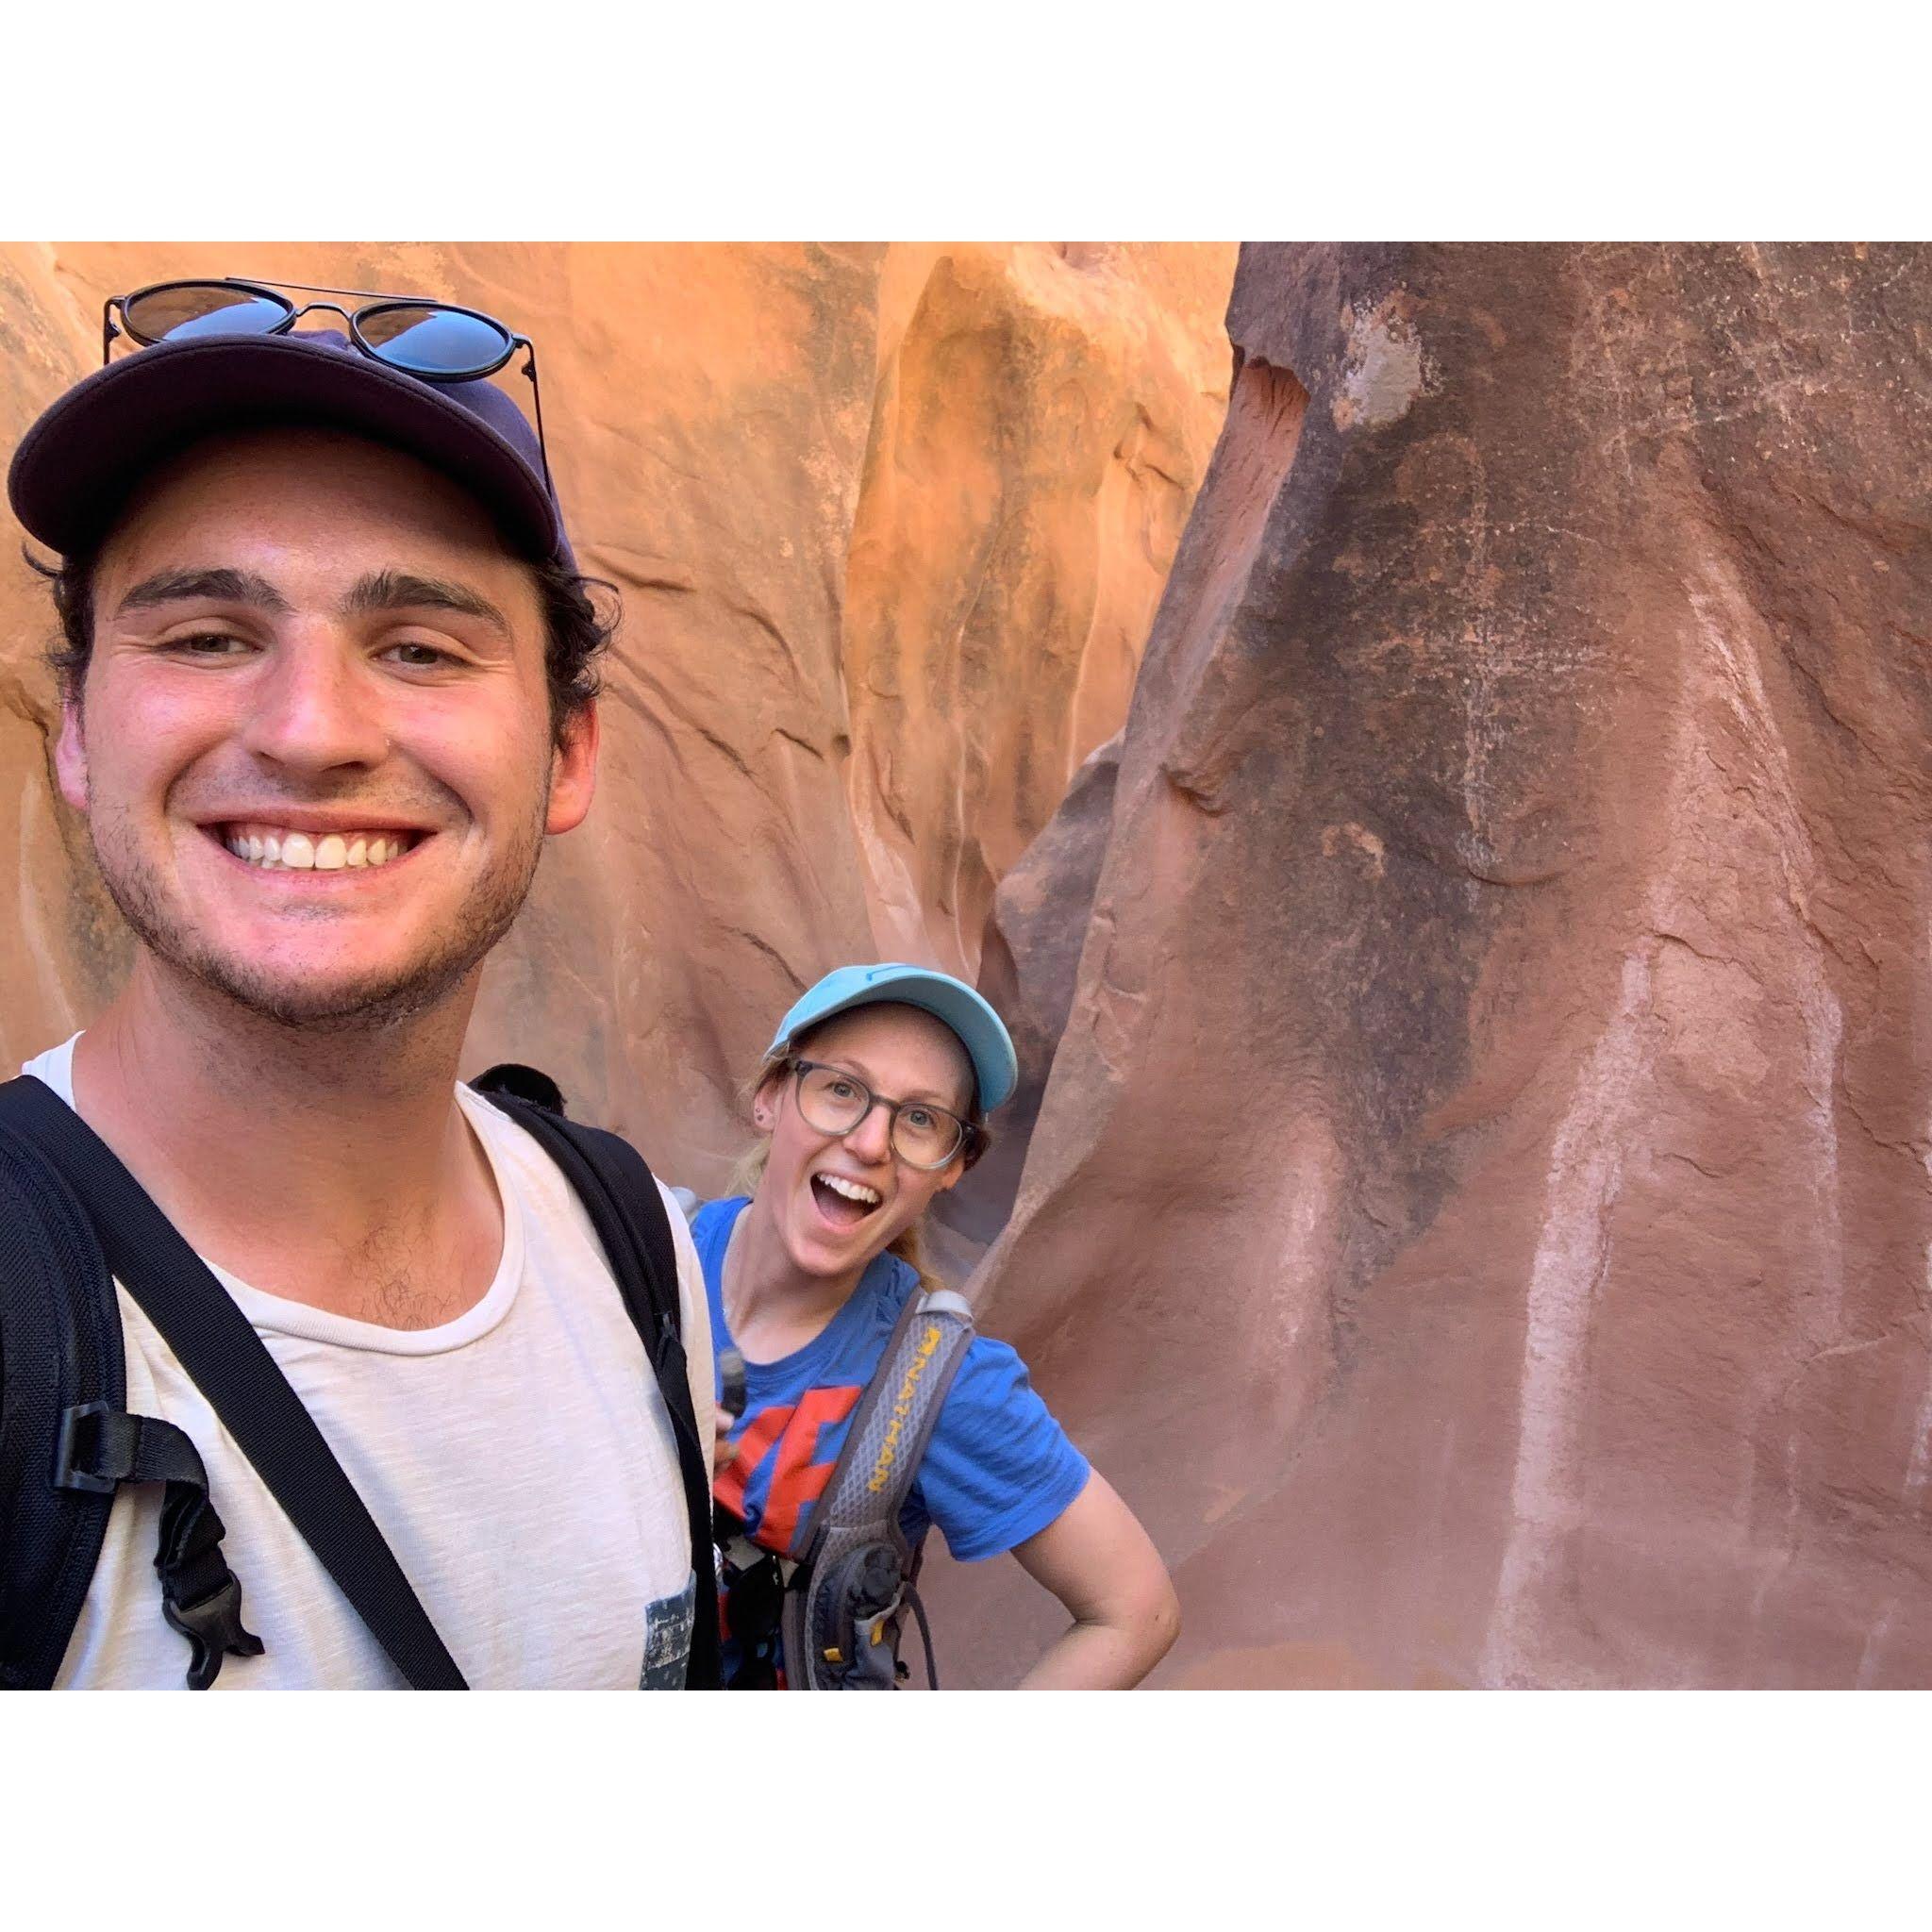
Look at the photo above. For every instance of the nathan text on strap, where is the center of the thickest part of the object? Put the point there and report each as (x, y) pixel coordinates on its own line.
(225, 1358)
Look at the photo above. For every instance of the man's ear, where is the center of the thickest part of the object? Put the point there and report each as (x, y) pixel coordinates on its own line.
(70, 753)
(574, 770)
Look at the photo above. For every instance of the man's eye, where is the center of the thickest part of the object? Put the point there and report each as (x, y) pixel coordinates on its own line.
(209, 643)
(420, 656)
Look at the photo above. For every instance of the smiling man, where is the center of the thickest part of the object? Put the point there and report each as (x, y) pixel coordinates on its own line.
(328, 675)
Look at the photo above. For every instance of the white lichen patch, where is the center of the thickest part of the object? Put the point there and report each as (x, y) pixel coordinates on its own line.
(1384, 370)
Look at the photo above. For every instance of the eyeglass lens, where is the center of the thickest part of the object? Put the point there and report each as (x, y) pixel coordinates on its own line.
(204, 308)
(433, 341)
(834, 1103)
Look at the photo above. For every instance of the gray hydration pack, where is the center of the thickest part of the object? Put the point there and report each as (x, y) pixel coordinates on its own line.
(846, 1599)
(849, 1579)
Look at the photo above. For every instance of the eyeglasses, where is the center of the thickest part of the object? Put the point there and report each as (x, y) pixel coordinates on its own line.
(834, 1101)
(434, 341)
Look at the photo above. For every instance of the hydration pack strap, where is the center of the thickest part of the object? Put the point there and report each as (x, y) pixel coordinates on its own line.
(225, 1358)
(862, 1502)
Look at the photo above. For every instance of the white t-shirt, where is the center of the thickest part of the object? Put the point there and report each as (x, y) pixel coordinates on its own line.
(519, 1460)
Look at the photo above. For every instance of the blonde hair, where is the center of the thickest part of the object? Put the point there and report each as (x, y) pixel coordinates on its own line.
(749, 1168)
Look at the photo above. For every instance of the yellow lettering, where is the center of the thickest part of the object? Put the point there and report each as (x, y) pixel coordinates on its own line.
(902, 1409)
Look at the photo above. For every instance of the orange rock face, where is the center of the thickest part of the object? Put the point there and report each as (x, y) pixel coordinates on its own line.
(1478, 1211)
(890, 523)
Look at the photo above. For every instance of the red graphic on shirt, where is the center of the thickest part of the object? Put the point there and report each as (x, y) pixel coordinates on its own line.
(794, 1478)
(759, 1434)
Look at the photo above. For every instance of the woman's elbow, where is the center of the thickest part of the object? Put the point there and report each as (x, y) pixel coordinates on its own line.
(1163, 1620)
(1150, 1621)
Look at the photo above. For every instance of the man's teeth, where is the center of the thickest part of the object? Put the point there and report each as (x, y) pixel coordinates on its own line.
(853, 1191)
(274, 848)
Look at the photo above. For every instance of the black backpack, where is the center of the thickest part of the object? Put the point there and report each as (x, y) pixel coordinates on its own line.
(71, 1221)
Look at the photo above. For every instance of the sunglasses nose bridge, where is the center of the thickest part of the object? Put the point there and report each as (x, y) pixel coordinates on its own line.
(309, 308)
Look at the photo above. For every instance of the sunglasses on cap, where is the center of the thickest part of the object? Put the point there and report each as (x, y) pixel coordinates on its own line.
(434, 341)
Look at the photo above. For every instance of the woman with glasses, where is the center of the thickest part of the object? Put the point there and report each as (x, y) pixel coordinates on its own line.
(871, 1101)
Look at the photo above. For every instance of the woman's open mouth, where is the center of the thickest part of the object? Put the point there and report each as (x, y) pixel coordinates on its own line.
(282, 848)
(842, 1202)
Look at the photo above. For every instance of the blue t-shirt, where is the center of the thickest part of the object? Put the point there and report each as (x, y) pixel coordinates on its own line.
(997, 1468)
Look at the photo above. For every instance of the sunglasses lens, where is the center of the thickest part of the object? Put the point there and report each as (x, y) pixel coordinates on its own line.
(204, 308)
(429, 340)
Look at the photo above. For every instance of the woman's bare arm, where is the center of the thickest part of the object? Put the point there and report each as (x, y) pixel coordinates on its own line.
(1102, 1565)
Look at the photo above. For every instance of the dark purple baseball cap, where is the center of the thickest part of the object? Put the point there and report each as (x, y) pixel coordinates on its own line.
(80, 463)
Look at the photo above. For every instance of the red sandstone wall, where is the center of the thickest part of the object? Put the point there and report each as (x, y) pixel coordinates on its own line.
(1479, 1209)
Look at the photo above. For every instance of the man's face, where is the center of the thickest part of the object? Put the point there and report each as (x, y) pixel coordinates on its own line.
(312, 646)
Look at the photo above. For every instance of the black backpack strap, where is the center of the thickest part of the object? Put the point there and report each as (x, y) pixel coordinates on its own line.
(221, 1352)
(60, 1338)
(621, 1196)
(60, 1350)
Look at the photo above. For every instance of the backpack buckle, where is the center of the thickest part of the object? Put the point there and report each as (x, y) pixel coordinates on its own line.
(213, 1629)
(66, 1476)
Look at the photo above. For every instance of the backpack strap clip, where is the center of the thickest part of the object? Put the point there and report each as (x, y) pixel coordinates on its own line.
(212, 1627)
(100, 1446)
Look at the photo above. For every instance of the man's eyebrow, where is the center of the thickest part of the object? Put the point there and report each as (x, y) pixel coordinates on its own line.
(210, 586)
(396, 589)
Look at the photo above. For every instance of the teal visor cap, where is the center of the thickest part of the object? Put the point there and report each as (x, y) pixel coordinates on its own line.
(981, 1031)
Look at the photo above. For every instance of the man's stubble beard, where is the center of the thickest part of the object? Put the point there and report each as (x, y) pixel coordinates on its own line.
(371, 1008)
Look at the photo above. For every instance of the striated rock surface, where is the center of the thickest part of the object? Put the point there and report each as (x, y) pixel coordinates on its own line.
(890, 523)
(1039, 916)
(1480, 1206)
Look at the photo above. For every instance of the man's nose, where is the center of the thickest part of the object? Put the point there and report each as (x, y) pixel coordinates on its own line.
(314, 706)
(872, 1139)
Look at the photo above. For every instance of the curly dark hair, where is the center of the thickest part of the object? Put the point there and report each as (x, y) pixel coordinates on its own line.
(576, 634)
